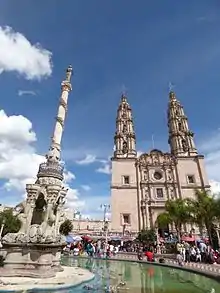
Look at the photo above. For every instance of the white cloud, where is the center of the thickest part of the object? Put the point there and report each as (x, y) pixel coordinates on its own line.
(210, 147)
(105, 168)
(89, 159)
(86, 187)
(68, 177)
(139, 153)
(72, 198)
(19, 161)
(19, 55)
(215, 187)
(29, 93)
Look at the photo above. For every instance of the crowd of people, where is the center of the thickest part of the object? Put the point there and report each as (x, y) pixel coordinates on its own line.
(198, 252)
(185, 251)
(93, 248)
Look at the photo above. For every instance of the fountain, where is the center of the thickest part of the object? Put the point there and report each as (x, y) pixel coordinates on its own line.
(34, 251)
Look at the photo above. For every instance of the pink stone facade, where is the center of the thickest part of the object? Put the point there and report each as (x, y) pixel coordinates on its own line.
(141, 185)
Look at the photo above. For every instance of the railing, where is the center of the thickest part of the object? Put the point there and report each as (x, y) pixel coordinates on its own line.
(50, 170)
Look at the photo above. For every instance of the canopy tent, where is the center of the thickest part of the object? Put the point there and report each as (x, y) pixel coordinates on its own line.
(77, 238)
(188, 238)
(115, 238)
(71, 239)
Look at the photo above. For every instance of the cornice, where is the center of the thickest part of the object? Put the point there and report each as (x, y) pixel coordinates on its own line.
(152, 165)
(157, 183)
(190, 157)
(123, 187)
(123, 159)
(194, 186)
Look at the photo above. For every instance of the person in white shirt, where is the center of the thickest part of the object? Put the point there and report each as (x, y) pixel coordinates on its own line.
(179, 259)
(183, 251)
(116, 249)
(192, 253)
(111, 248)
(76, 251)
(198, 255)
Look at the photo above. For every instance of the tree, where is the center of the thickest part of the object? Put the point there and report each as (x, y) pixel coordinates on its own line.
(205, 211)
(163, 220)
(162, 223)
(66, 227)
(147, 236)
(11, 223)
(177, 212)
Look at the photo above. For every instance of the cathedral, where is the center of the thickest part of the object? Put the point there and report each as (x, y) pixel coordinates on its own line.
(141, 185)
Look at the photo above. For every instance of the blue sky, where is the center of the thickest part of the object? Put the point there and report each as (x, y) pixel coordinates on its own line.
(112, 45)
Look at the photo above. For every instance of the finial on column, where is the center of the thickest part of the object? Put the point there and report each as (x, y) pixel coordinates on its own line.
(172, 96)
(124, 93)
(69, 73)
(123, 97)
(171, 92)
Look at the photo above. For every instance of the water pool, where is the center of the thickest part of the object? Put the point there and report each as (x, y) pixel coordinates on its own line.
(124, 276)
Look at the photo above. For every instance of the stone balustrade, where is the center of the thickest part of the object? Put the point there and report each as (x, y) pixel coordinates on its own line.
(169, 259)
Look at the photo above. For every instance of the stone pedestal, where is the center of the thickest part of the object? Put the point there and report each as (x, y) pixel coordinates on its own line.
(31, 260)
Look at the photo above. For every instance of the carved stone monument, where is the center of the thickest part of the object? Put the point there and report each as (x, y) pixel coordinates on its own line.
(35, 250)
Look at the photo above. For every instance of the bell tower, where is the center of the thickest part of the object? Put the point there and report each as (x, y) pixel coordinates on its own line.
(124, 136)
(124, 203)
(180, 137)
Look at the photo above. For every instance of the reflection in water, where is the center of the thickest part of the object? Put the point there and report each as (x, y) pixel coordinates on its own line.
(122, 276)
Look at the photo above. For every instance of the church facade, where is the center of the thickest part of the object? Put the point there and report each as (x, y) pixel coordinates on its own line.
(141, 185)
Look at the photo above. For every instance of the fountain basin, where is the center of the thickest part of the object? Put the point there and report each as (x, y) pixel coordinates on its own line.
(68, 278)
(31, 260)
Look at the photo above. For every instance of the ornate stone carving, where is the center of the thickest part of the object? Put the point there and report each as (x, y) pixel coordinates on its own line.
(42, 213)
(156, 158)
(125, 128)
(146, 194)
(145, 176)
(185, 145)
(169, 175)
(171, 192)
(125, 147)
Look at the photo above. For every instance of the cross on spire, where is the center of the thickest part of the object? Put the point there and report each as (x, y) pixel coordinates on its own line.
(171, 86)
(124, 90)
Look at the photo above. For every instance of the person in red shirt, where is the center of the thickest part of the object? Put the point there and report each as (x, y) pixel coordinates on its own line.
(150, 256)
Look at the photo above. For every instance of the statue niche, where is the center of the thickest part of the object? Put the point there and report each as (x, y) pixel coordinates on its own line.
(39, 210)
(125, 147)
(184, 145)
(180, 126)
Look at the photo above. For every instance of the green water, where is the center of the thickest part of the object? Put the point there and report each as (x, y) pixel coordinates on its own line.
(123, 276)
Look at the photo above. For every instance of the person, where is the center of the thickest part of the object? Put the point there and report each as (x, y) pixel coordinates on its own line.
(192, 253)
(187, 252)
(198, 255)
(203, 249)
(150, 255)
(90, 249)
(183, 250)
(98, 248)
(179, 258)
(140, 253)
(76, 251)
(116, 249)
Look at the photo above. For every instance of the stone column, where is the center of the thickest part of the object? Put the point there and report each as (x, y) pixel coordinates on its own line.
(54, 151)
